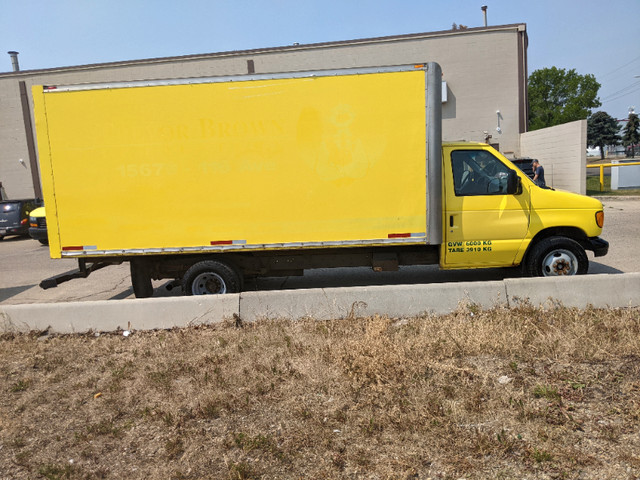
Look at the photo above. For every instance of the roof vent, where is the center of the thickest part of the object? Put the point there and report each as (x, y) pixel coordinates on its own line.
(14, 60)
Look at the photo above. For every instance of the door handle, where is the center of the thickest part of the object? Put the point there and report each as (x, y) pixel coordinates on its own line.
(451, 220)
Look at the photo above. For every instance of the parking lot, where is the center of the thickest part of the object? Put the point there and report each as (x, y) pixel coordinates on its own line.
(25, 262)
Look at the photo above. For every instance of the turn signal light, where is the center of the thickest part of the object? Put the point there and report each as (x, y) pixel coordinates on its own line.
(600, 218)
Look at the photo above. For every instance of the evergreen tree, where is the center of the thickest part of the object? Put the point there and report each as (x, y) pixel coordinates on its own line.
(602, 129)
(631, 135)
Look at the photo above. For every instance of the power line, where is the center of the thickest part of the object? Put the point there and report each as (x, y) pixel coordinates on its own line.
(620, 68)
(621, 96)
(622, 90)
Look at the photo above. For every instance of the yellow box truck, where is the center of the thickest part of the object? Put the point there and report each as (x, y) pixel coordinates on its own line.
(211, 180)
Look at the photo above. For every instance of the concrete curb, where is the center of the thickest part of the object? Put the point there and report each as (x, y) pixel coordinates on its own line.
(392, 300)
(110, 315)
(601, 291)
(616, 197)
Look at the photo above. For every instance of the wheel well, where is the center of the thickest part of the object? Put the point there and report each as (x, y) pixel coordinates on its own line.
(568, 232)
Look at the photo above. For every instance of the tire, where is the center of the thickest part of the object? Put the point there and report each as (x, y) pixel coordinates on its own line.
(141, 279)
(556, 256)
(44, 241)
(211, 277)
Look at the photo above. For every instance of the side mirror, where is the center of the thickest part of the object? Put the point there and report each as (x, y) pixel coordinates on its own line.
(514, 185)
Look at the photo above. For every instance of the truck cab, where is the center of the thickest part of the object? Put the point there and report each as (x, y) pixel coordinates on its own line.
(489, 223)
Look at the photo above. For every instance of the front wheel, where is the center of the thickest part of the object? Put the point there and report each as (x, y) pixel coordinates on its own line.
(556, 256)
(211, 277)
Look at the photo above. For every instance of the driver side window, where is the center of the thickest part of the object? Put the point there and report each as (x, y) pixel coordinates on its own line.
(477, 172)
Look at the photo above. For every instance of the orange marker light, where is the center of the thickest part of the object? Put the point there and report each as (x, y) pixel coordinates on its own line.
(399, 235)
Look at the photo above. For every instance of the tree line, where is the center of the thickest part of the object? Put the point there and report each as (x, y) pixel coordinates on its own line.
(558, 96)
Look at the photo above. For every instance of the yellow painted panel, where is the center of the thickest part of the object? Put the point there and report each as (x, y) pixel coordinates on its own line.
(271, 161)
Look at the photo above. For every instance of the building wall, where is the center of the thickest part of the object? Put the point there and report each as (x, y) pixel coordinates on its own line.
(15, 176)
(481, 72)
(485, 71)
(562, 152)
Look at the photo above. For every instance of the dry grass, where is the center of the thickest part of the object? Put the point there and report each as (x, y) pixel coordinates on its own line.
(521, 393)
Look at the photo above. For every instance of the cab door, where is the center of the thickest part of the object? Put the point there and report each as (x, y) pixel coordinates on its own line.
(484, 226)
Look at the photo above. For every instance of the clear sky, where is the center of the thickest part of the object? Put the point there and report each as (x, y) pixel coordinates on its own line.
(592, 36)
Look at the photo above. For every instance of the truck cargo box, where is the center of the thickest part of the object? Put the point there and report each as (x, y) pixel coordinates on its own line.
(322, 159)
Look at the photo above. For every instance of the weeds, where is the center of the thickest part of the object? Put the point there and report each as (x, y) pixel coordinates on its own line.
(20, 386)
(241, 471)
(540, 456)
(547, 392)
(55, 472)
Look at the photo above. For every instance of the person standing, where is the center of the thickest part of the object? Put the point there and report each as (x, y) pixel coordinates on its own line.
(538, 174)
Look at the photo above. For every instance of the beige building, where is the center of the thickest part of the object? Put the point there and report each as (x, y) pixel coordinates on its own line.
(485, 70)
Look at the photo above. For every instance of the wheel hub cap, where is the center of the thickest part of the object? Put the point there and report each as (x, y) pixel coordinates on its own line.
(559, 262)
(208, 283)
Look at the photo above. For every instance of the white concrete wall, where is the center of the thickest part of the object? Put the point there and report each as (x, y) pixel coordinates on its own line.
(625, 177)
(562, 151)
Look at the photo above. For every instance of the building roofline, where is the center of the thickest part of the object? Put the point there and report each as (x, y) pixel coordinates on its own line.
(521, 27)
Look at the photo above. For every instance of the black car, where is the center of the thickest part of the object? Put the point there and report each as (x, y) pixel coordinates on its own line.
(525, 164)
(14, 216)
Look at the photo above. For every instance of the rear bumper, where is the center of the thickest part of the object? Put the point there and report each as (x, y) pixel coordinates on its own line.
(599, 246)
(19, 230)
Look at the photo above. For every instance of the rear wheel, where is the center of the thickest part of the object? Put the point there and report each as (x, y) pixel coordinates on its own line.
(141, 279)
(556, 256)
(211, 277)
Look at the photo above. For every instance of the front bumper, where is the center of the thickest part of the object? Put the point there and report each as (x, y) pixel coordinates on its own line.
(599, 246)
(38, 233)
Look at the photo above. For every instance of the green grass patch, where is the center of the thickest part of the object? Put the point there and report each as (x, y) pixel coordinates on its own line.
(545, 391)
(593, 187)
